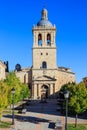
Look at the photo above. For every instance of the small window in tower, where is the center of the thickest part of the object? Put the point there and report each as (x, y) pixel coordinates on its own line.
(40, 40)
(41, 53)
(44, 64)
(48, 39)
(46, 53)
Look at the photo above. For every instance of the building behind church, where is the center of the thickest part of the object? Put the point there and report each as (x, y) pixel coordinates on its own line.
(44, 75)
(85, 81)
(2, 70)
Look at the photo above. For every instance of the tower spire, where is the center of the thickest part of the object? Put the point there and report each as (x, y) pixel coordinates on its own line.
(44, 14)
(44, 4)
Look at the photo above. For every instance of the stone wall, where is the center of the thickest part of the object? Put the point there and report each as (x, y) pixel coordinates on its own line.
(24, 75)
(64, 77)
(2, 70)
(44, 54)
(52, 78)
(85, 81)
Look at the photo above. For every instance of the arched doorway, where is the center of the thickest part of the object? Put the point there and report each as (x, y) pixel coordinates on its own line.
(45, 91)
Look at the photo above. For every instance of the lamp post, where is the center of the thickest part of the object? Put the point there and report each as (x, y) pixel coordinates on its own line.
(13, 92)
(66, 95)
(23, 99)
(23, 94)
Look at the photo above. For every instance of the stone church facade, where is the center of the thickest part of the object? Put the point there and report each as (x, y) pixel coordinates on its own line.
(44, 75)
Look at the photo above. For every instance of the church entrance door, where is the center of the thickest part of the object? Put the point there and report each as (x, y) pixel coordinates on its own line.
(45, 91)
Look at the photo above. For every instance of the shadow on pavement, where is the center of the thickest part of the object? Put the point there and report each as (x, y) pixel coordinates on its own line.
(49, 108)
(30, 119)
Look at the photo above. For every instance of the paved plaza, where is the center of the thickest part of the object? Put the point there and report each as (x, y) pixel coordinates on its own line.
(41, 116)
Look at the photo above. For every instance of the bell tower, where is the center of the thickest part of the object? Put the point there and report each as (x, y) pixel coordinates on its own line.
(44, 47)
(44, 67)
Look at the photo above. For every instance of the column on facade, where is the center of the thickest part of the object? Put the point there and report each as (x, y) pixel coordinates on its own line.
(51, 89)
(32, 91)
(35, 91)
(36, 39)
(54, 89)
(52, 40)
(48, 90)
(45, 38)
(39, 90)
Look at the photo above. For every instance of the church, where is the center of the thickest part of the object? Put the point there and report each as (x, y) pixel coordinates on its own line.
(44, 76)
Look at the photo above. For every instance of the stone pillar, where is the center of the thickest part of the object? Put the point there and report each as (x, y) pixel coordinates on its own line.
(39, 90)
(35, 91)
(45, 38)
(52, 40)
(32, 91)
(36, 39)
(54, 93)
(51, 89)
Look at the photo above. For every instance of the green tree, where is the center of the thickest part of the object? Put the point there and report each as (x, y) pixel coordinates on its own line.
(12, 81)
(25, 93)
(20, 89)
(3, 97)
(77, 98)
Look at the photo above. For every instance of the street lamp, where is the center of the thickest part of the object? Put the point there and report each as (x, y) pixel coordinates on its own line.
(66, 95)
(23, 95)
(13, 92)
(23, 99)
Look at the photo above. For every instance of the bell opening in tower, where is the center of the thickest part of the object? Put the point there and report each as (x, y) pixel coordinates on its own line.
(48, 39)
(40, 40)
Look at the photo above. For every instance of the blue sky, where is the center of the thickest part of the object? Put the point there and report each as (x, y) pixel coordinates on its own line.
(70, 17)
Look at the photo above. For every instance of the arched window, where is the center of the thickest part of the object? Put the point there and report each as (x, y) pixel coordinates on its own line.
(40, 39)
(44, 64)
(48, 38)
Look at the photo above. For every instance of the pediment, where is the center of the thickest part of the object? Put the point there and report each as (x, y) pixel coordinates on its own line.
(45, 78)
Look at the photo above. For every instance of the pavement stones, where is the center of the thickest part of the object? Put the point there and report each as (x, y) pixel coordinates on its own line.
(41, 116)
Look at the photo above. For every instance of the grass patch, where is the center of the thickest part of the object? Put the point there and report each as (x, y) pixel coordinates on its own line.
(79, 127)
(9, 112)
(5, 124)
